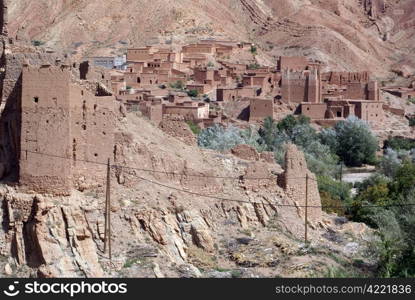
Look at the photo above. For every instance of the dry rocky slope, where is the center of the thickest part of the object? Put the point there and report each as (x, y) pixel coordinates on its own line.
(169, 230)
(353, 35)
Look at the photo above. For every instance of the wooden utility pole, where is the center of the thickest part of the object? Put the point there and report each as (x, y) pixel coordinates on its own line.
(306, 209)
(107, 231)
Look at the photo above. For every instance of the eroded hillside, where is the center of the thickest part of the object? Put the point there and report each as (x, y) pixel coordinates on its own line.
(348, 35)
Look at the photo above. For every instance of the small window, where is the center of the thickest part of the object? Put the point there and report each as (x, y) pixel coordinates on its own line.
(36, 99)
(339, 114)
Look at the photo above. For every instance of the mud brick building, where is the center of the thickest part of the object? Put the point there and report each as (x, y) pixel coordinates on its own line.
(261, 109)
(64, 127)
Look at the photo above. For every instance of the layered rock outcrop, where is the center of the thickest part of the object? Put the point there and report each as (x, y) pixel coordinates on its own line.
(54, 239)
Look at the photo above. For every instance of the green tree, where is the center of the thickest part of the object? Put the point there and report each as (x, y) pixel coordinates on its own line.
(404, 179)
(320, 159)
(356, 143)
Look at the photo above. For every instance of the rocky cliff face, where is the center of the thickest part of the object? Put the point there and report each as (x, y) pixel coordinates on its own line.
(347, 35)
(162, 225)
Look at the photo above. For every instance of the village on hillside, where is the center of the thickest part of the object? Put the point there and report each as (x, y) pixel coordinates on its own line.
(207, 155)
(207, 83)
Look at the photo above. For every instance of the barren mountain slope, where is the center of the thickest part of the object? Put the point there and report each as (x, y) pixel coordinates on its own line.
(340, 32)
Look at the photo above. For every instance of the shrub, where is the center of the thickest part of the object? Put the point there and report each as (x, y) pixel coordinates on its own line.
(193, 93)
(395, 224)
(178, 85)
(334, 193)
(254, 66)
(390, 162)
(411, 121)
(194, 127)
(37, 43)
(399, 143)
(254, 50)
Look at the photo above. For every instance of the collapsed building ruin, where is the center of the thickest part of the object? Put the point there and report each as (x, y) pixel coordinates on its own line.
(57, 130)
(74, 130)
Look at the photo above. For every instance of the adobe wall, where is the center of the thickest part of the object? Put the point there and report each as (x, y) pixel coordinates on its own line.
(293, 181)
(153, 111)
(45, 130)
(188, 112)
(373, 91)
(355, 90)
(342, 78)
(65, 127)
(300, 87)
(92, 138)
(139, 54)
(260, 109)
(314, 111)
(371, 111)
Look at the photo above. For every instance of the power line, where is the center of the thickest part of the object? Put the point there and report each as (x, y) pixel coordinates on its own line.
(158, 171)
(269, 204)
(222, 177)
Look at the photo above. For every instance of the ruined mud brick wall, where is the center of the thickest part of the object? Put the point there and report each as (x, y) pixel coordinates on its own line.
(342, 78)
(92, 135)
(231, 94)
(45, 128)
(357, 85)
(176, 126)
(66, 130)
(11, 86)
(293, 181)
(139, 54)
